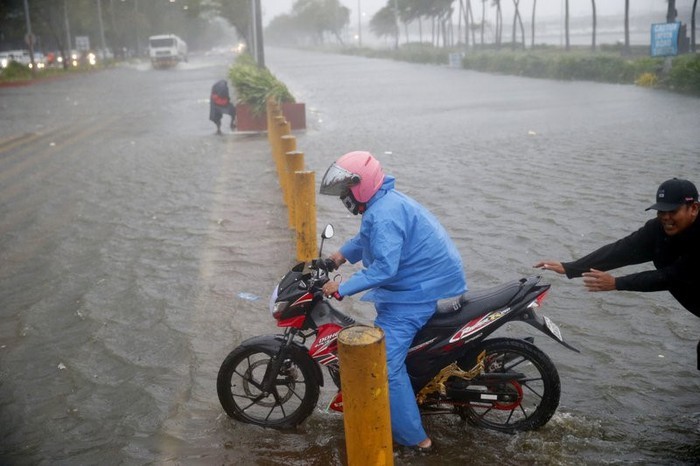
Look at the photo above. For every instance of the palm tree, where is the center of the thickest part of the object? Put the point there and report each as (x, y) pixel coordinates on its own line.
(627, 27)
(466, 13)
(594, 26)
(483, 18)
(692, 27)
(534, 7)
(566, 23)
(499, 22)
(671, 12)
(517, 20)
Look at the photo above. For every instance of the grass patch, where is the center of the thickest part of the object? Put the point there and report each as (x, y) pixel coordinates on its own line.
(609, 64)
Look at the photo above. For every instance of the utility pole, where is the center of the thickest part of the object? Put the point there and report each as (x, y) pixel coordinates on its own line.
(69, 47)
(257, 33)
(30, 36)
(102, 27)
(136, 27)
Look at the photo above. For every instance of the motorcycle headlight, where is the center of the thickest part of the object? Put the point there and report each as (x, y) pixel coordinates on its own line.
(279, 308)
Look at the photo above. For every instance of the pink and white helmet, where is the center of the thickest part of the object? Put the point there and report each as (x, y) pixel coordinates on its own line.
(358, 171)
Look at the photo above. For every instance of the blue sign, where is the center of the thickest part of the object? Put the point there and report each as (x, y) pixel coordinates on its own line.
(664, 39)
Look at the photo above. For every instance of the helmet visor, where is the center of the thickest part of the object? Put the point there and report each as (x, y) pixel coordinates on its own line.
(337, 181)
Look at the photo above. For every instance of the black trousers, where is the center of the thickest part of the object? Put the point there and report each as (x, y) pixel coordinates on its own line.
(216, 112)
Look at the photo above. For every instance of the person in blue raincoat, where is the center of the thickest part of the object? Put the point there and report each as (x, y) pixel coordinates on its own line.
(409, 262)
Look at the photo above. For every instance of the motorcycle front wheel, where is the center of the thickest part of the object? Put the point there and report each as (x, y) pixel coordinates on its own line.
(524, 377)
(291, 399)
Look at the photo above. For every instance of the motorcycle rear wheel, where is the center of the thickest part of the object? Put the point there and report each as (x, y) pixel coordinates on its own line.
(291, 400)
(536, 392)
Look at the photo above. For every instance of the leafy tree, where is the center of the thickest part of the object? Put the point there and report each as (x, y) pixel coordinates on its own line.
(238, 14)
(383, 23)
(310, 20)
(321, 16)
(124, 22)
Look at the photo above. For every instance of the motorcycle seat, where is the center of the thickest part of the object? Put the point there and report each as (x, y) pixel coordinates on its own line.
(474, 303)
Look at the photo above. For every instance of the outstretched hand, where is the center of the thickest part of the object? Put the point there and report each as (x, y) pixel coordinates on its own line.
(597, 280)
(554, 266)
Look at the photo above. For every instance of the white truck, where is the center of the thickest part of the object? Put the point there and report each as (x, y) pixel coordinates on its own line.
(166, 50)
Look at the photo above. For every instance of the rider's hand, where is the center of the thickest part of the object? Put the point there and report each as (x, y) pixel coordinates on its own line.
(338, 258)
(554, 266)
(329, 264)
(330, 288)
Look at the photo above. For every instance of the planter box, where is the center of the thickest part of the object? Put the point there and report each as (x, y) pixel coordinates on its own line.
(294, 113)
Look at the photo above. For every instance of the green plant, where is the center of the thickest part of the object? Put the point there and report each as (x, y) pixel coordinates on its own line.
(255, 85)
(16, 71)
(684, 76)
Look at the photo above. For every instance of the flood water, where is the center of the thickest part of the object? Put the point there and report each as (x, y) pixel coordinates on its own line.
(137, 249)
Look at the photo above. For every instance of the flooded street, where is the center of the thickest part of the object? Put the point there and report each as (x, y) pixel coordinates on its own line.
(137, 249)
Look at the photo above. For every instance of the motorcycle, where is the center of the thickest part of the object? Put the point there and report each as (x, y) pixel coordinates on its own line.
(504, 384)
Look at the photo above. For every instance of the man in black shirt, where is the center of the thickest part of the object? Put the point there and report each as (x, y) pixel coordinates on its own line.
(671, 241)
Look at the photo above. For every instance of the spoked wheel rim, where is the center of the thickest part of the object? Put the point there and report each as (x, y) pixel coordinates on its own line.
(252, 388)
(528, 400)
(240, 387)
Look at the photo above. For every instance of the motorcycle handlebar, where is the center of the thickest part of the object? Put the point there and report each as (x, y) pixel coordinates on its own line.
(326, 264)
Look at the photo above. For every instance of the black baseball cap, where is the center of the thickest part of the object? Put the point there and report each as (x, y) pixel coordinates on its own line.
(674, 193)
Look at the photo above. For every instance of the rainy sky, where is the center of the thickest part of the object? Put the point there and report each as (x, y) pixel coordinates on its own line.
(545, 8)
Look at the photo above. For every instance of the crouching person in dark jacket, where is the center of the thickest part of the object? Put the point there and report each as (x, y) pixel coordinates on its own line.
(220, 103)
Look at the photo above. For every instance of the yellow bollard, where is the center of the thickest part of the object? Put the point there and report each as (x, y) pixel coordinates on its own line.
(272, 109)
(305, 212)
(287, 143)
(281, 128)
(363, 376)
(295, 163)
(269, 111)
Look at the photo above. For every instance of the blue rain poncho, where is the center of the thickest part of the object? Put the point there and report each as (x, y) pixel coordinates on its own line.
(408, 256)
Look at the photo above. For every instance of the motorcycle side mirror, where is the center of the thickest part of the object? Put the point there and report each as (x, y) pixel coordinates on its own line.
(328, 232)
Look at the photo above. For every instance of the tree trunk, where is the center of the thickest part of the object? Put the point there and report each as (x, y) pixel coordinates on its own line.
(671, 12)
(594, 26)
(517, 20)
(471, 23)
(499, 25)
(627, 27)
(566, 24)
(483, 17)
(692, 26)
(534, 7)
